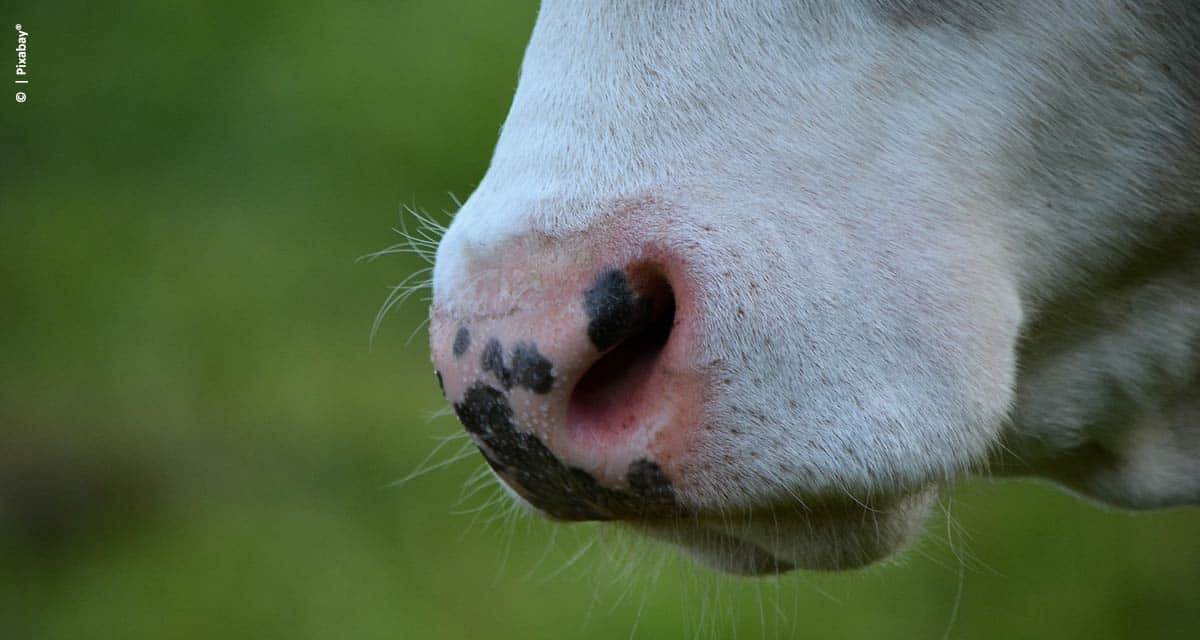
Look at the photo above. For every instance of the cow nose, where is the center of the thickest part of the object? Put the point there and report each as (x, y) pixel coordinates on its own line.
(568, 390)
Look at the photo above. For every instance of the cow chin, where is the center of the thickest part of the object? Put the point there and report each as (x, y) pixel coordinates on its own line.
(827, 535)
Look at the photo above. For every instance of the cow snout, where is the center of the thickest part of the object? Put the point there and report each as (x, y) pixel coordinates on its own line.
(573, 382)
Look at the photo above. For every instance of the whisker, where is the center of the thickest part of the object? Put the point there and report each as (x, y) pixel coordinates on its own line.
(399, 294)
(412, 335)
(421, 239)
(424, 468)
(571, 561)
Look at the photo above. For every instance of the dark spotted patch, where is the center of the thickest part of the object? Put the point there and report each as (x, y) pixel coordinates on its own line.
(527, 367)
(441, 384)
(645, 477)
(613, 309)
(462, 341)
(563, 492)
(530, 369)
(492, 361)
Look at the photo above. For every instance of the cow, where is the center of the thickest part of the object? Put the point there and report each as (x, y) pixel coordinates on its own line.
(758, 278)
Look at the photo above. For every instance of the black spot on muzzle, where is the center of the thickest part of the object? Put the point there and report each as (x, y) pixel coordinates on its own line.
(562, 491)
(614, 309)
(462, 342)
(526, 367)
(530, 369)
(492, 361)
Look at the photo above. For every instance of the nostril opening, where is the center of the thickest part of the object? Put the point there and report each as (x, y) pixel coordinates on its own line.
(603, 403)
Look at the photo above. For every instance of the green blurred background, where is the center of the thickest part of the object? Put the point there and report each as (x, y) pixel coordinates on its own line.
(196, 440)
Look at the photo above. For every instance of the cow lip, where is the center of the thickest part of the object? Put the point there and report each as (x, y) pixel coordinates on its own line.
(719, 549)
(744, 557)
(824, 534)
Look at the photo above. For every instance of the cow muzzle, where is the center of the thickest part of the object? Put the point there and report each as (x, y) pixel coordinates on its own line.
(573, 379)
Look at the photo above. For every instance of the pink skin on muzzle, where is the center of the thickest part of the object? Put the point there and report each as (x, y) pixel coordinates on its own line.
(573, 368)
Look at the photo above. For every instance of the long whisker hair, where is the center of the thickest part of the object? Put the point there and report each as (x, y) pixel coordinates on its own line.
(420, 235)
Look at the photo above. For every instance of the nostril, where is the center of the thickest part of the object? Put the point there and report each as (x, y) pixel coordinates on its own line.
(603, 403)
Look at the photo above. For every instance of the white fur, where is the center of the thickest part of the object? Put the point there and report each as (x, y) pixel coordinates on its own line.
(946, 232)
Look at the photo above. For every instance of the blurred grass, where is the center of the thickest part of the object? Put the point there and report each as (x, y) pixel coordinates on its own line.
(197, 442)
